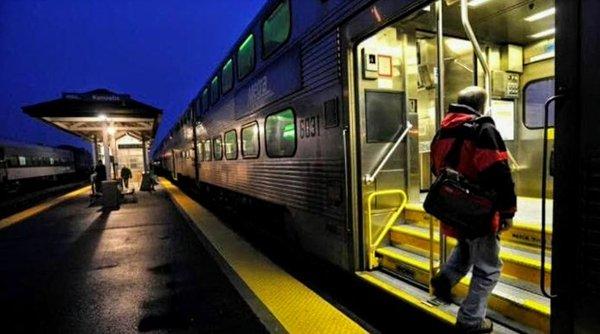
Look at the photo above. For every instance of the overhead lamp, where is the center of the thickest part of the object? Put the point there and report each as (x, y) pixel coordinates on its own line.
(544, 33)
(475, 3)
(111, 130)
(541, 15)
(102, 117)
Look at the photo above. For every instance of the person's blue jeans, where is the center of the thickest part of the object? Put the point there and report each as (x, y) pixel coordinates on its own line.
(481, 254)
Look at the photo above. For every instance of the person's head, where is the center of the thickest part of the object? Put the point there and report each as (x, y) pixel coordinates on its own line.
(474, 97)
(99, 162)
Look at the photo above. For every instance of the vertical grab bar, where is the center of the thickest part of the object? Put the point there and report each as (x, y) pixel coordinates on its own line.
(544, 178)
(464, 17)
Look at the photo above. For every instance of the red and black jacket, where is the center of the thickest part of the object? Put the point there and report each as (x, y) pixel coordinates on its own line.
(483, 157)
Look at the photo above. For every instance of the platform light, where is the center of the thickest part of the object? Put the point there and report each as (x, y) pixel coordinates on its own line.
(102, 117)
(475, 3)
(427, 8)
(544, 33)
(541, 15)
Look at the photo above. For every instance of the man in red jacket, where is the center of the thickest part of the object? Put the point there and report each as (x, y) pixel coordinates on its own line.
(483, 160)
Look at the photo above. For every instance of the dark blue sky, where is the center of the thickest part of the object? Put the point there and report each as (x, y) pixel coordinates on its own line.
(160, 52)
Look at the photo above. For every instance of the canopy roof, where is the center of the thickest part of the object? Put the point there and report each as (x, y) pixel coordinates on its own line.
(87, 114)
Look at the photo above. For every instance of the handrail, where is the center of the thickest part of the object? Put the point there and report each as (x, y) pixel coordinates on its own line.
(369, 178)
(464, 17)
(372, 246)
(544, 177)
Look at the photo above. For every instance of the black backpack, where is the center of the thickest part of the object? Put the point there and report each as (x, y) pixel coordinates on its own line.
(457, 202)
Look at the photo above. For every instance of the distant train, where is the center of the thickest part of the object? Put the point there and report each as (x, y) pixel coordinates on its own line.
(325, 110)
(27, 164)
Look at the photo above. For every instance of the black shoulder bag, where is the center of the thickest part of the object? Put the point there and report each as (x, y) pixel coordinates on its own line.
(459, 203)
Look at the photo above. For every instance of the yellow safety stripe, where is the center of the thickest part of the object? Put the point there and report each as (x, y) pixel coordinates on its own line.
(296, 307)
(35, 210)
(415, 263)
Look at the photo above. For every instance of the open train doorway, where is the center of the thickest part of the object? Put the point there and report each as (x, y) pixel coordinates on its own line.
(405, 76)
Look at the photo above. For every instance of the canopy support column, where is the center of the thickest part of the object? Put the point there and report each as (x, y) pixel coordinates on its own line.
(107, 163)
(145, 154)
(95, 151)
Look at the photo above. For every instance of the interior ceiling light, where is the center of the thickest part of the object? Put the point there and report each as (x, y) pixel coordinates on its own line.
(541, 15)
(475, 3)
(544, 33)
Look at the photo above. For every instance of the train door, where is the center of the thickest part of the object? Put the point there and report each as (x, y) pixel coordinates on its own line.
(407, 73)
(396, 111)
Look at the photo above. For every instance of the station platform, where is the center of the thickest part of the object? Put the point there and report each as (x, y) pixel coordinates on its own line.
(161, 264)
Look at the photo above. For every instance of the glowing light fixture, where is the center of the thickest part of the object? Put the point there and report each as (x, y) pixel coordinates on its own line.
(544, 33)
(475, 3)
(541, 15)
(111, 130)
(102, 117)
(427, 8)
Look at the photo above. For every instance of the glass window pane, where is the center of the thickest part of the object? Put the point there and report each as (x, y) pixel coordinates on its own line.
(215, 90)
(205, 99)
(231, 145)
(250, 143)
(207, 151)
(276, 28)
(200, 147)
(245, 57)
(280, 133)
(218, 146)
(227, 76)
(536, 94)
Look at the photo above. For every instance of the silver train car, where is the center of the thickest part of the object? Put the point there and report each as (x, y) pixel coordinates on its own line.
(22, 163)
(326, 109)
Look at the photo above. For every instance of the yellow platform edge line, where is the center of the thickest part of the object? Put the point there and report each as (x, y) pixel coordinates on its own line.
(296, 307)
(39, 208)
(447, 317)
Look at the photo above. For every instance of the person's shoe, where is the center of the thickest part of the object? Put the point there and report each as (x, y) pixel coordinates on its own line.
(442, 290)
(485, 326)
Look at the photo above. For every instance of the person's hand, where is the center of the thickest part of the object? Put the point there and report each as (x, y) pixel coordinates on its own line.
(505, 224)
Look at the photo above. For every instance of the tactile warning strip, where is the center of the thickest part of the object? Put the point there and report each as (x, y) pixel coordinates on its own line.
(296, 307)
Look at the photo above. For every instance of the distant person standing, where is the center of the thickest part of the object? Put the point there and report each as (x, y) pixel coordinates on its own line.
(125, 176)
(100, 171)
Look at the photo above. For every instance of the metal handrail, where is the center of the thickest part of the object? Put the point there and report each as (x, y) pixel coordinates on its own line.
(544, 177)
(369, 178)
(464, 17)
(372, 246)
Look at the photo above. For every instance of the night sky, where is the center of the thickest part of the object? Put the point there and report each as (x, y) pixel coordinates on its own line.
(160, 52)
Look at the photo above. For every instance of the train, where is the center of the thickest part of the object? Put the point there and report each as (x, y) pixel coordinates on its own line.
(324, 112)
(25, 165)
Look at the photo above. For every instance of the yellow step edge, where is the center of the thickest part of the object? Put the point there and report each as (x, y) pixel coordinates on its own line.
(522, 224)
(297, 308)
(528, 304)
(445, 316)
(452, 242)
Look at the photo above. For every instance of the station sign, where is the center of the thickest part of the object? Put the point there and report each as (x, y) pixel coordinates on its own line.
(96, 96)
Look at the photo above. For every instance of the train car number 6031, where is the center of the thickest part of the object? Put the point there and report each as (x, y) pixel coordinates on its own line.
(310, 127)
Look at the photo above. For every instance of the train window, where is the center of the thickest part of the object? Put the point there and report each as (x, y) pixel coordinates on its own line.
(280, 134)
(245, 57)
(250, 141)
(207, 151)
(22, 161)
(200, 147)
(227, 76)
(535, 95)
(12, 161)
(231, 148)
(205, 99)
(276, 28)
(215, 90)
(218, 148)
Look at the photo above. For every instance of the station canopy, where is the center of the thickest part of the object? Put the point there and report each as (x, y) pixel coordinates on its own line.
(87, 114)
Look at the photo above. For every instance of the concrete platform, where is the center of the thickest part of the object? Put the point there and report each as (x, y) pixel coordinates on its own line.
(74, 269)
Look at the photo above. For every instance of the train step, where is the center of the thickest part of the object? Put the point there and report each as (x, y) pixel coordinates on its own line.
(422, 300)
(519, 263)
(510, 301)
(523, 232)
